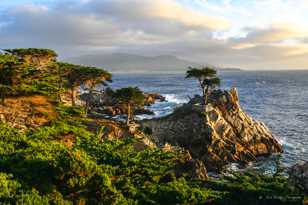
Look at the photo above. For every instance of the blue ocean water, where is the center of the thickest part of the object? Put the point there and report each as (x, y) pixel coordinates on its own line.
(278, 98)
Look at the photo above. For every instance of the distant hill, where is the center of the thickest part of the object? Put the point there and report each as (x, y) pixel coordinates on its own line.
(122, 62)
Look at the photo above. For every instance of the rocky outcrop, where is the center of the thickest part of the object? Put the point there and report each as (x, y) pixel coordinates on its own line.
(185, 166)
(192, 168)
(121, 110)
(151, 98)
(217, 134)
(104, 104)
(298, 175)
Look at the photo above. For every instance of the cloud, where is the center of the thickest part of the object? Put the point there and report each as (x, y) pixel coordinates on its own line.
(276, 35)
(160, 10)
(103, 23)
(170, 10)
(218, 32)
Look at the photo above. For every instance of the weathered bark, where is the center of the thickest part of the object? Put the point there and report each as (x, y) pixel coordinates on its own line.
(2, 99)
(59, 85)
(206, 95)
(128, 113)
(73, 96)
(88, 99)
(2, 96)
(202, 87)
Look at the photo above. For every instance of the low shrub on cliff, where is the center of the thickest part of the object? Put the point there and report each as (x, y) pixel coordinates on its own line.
(20, 52)
(254, 188)
(20, 79)
(42, 167)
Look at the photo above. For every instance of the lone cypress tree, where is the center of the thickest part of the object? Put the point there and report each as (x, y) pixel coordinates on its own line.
(207, 78)
(132, 97)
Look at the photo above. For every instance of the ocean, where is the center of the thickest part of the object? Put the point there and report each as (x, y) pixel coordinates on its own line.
(277, 98)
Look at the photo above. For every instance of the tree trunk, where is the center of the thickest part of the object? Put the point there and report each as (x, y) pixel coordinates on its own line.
(128, 114)
(88, 100)
(3, 94)
(2, 98)
(59, 85)
(203, 90)
(206, 93)
(73, 96)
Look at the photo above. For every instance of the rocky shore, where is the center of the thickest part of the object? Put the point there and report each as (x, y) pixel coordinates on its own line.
(217, 134)
(107, 105)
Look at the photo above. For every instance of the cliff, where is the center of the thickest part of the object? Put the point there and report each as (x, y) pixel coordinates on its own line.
(218, 134)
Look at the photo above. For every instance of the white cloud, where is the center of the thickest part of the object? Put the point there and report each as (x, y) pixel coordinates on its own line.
(171, 10)
(249, 34)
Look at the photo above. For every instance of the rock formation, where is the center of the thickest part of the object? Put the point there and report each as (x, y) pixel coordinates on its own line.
(299, 176)
(104, 104)
(217, 134)
(151, 98)
(194, 168)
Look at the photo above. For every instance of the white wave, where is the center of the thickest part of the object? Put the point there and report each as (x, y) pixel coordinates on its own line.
(285, 142)
(143, 117)
(174, 99)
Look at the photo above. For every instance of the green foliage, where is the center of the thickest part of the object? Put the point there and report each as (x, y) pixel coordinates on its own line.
(8, 186)
(203, 73)
(212, 82)
(18, 78)
(207, 78)
(77, 75)
(38, 168)
(132, 95)
(7, 64)
(250, 188)
(70, 111)
(31, 51)
(36, 82)
(66, 163)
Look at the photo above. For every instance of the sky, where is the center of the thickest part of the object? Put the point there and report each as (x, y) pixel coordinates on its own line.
(249, 34)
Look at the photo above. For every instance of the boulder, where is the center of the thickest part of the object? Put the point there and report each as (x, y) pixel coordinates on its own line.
(192, 168)
(186, 167)
(151, 98)
(216, 134)
(298, 175)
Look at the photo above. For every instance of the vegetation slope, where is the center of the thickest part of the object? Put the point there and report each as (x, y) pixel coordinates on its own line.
(64, 161)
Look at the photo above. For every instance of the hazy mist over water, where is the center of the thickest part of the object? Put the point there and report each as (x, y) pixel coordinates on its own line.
(278, 98)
